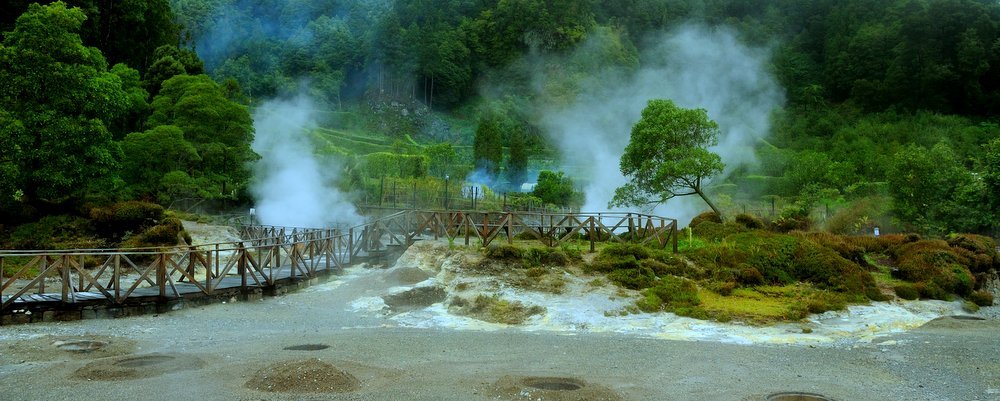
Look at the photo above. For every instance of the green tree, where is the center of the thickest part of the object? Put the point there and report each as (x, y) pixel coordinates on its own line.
(441, 157)
(554, 188)
(59, 97)
(933, 192)
(667, 156)
(991, 178)
(487, 146)
(220, 129)
(517, 163)
(150, 155)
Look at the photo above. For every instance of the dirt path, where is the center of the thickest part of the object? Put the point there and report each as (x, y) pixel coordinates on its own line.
(223, 352)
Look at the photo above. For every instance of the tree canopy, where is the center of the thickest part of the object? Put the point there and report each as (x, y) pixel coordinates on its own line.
(59, 98)
(667, 156)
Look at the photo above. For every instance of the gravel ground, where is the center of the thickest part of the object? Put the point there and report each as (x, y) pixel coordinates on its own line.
(212, 352)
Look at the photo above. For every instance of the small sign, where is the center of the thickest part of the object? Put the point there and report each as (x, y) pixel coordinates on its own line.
(876, 231)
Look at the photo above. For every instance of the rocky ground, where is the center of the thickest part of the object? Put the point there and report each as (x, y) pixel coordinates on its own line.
(335, 342)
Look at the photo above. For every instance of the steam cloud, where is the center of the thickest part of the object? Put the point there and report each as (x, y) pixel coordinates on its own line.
(696, 67)
(292, 187)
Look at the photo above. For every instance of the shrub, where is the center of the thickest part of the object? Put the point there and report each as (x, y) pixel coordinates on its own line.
(633, 278)
(555, 257)
(906, 291)
(706, 216)
(673, 294)
(933, 261)
(624, 250)
(713, 231)
(117, 219)
(783, 259)
(932, 291)
(981, 298)
(749, 276)
(54, 232)
(619, 256)
(673, 267)
(504, 252)
(749, 222)
(825, 301)
(980, 250)
(839, 244)
(494, 309)
(166, 233)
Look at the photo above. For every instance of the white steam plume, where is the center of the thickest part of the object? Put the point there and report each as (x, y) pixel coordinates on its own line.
(292, 187)
(696, 67)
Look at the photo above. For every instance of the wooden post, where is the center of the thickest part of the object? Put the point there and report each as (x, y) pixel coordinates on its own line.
(350, 246)
(631, 228)
(465, 222)
(161, 274)
(65, 278)
(241, 266)
(116, 277)
(79, 276)
(673, 233)
(510, 228)
(592, 248)
(43, 270)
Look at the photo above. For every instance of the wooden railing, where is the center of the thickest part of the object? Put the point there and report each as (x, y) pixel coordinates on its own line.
(269, 252)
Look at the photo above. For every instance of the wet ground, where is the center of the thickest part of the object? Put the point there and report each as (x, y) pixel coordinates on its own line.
(343, 340)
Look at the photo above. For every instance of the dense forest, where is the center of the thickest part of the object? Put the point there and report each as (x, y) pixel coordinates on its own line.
(111, 111)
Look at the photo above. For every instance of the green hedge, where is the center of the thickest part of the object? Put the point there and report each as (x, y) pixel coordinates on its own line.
(385, 164)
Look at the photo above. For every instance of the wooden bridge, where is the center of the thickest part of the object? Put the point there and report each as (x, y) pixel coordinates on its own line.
(86, 283)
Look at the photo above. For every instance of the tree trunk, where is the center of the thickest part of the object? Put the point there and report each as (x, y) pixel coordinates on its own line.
(710, 204)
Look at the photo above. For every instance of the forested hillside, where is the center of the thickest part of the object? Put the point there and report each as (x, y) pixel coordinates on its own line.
(884, 112)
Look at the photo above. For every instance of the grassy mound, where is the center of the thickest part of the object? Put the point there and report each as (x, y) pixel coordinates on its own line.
(759, 257)
(494, 309)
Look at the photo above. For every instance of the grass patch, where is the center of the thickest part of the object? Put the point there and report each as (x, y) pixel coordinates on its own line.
(769, 304)
(493, 309)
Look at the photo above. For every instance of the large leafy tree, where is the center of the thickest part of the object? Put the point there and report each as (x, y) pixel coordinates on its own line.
(667, 156)
(126, 31)
(487, 146)
(933, 192)
(220, 129)
(59, 97)
(169, 151)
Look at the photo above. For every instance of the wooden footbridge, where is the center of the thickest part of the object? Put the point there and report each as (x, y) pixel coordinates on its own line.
(86, 283)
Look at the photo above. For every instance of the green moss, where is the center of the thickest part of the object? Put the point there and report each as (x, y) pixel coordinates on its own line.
(633, 278)
(504, 252)
(935, 262)
(712, 231)
(782, 259)
(981, 298)
(495, 309)
(706, 216)
(749, 222)
(671, 294)
(906, 291)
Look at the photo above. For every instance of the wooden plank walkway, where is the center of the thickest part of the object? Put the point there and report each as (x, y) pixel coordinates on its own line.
(270, 258)
(177, 289)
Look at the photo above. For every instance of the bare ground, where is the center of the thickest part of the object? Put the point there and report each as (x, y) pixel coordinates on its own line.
(311, 344)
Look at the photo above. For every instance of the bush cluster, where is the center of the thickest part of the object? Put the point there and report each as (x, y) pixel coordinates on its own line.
(713, 231)
(940, 268)
(981, 298)
(672, 294)
(167, 233)
(768, 258)
(54, 232)
(130, 216)
(706, 216)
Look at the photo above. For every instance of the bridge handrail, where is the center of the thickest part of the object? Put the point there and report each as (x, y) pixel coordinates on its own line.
(267, 250)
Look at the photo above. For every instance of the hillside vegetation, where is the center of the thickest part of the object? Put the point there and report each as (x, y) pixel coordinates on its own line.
(888, 118)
